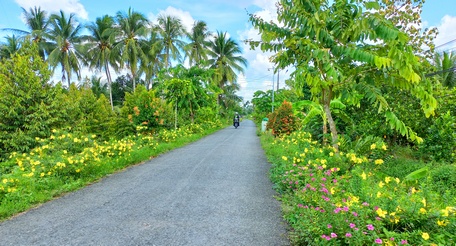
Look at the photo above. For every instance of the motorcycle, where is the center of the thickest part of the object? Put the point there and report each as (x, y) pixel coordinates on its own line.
(236, 122)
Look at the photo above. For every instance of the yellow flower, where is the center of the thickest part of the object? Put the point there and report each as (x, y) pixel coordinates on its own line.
(424, 202)
(414, 190)
(378, 161)
(333, 190)
(422, 210)
(373, 146)
(306, 150)
(381, 213)
(383, 147)
(379, 194)
(425, 236)
(381, 184)
(398, 180)
(54, 130)
(363, 175)
(86, 139)
(442, 223)
(387, 179)
(5, 181)
(284, 158)
(41, 174)
(331, 153)
(65, 152)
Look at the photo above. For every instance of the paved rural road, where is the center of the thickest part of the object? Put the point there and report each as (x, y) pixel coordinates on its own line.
(212, 192)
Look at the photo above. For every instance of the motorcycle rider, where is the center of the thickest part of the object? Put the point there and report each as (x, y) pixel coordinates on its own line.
(236, 119)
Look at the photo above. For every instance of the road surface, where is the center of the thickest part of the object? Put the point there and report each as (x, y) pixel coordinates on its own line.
(211, 192)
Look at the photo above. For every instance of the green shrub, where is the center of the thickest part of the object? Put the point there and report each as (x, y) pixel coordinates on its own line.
(283, 121)
(28, 105)
(440, 143)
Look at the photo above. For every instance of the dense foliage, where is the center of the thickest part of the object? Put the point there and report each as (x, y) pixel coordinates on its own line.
(344, 198)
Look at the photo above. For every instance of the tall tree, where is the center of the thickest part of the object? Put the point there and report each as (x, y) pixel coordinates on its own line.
(197, 48)
(10, 47)
(330, 43)
(152, 48)
(100, 53)
(226, 60)
(133, 28)
(171, 31)
(65, 44)
(37, 22)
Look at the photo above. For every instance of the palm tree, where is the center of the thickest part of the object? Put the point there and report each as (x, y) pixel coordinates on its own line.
(99, 49)
(171, 30)
(65, 46)
(10, 47)
(37, 23)
(152, 47)
(225, 60)
(446, 62)
(133, 28)
(197, 48)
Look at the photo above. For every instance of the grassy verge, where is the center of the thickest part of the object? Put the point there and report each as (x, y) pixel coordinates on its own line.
(349, 199)
(65, 163)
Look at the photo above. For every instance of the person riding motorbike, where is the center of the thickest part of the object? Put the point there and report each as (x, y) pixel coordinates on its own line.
(236, 120)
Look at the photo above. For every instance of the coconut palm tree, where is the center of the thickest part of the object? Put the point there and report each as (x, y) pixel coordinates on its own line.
(446, 62)
(99, 50)
(197, 48)
(36, 21)
(226, 60)
(65, 44)
(133, 28)
(10, 47)
(171, 30)
(152, 47)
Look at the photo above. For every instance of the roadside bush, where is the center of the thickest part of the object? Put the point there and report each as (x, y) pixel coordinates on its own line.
(142, 108)
(440, 143)
(28, 105)
(283, 121)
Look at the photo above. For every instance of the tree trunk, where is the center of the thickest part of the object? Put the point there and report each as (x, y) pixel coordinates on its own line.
(175, 118)
(332, 125)
(108, 76)
(133, 74)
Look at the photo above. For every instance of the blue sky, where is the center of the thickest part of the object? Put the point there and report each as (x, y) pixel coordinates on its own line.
(223, 15)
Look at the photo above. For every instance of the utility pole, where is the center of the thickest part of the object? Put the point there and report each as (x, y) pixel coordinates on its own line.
(273, 76)
(278, 71)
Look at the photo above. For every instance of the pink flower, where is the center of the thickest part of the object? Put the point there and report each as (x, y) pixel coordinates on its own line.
(334, 181)
(348, 235)
(345, 209)
(333, 235)
(392, 238)
(378, 241)
(370, 227)
(326, 237)
(337, 210)
(324, 190)
(329, 226)
(313, 179)
(355, 214)
(365, 204)
(323, 179)
(352, 225)
(404, 242)
(356, 229)
(300, 205)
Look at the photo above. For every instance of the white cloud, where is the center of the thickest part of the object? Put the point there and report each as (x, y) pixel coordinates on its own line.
(184, 16)
(67, 6)
(259, 74)
(447, 32)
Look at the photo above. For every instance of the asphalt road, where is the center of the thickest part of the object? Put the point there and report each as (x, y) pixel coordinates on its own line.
(212, 192)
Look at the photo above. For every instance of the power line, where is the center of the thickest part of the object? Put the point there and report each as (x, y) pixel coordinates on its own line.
(453, 69)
